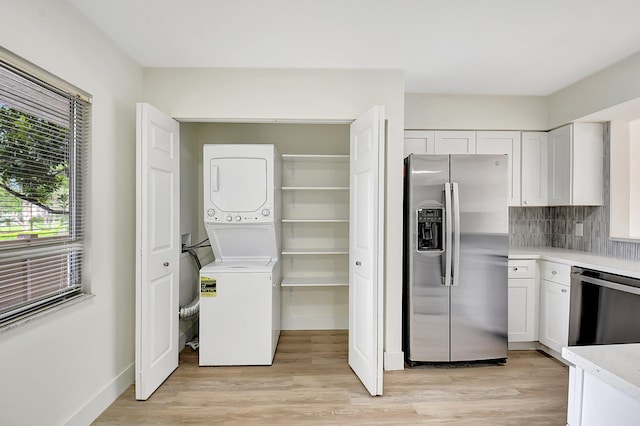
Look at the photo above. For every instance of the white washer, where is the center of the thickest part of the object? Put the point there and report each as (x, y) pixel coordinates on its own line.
(239, 312)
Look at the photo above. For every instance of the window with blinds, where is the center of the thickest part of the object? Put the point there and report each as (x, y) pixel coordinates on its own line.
(44, 135)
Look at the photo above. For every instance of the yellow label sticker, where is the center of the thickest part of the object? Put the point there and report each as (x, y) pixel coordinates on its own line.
(208, 287)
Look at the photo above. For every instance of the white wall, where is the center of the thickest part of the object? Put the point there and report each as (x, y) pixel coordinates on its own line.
(190, 163)
(301, 308)
(634, 179)
(619, 194)
(612, 86)
(475, 112)
(612, 94)
(54, 366)
(303, 95)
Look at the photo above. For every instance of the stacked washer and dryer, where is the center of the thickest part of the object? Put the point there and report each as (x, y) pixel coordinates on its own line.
(240, 290)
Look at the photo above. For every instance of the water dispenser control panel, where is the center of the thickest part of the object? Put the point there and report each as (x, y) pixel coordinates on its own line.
(429, 232)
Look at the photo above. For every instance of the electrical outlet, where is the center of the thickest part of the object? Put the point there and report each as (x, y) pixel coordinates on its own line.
(579, 229)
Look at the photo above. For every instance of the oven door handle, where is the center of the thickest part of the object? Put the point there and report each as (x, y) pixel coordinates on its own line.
(608, 284)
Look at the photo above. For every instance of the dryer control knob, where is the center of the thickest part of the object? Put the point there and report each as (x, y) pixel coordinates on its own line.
(266, 212)
(211, 212)
(238, 218)
(229, 218)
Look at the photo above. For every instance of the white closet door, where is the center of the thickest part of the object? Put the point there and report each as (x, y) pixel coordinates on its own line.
(366, 232)
(157, 248)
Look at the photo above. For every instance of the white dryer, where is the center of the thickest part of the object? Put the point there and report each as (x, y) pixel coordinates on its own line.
(239, 312)
(242, 200)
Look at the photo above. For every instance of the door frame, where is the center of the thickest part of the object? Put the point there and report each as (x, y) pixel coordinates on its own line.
(381, 194)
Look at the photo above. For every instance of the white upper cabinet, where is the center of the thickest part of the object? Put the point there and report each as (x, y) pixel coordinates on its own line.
(534, 168)
(440, 142)
(418, 142)
(560, 166)
(454, 142)
(575, 165)
(503, 142)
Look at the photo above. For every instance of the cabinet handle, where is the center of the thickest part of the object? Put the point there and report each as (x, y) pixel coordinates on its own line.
(515, 268)
(564, 290)
(358, 263)
(553, 272)
(165, 264)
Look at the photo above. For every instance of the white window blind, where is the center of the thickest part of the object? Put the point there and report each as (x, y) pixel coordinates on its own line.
(44, 136)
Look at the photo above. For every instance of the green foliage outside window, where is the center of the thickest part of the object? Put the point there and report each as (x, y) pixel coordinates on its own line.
(34, 175)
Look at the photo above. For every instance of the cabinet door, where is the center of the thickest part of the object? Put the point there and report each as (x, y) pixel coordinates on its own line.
(522, 309)
(454, 142)
(418, 142)
(554, 315)
(504, 142)
(534, 168)
(587, 164)
(560, 166)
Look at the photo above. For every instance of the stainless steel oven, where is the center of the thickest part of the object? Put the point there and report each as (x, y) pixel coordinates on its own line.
(604, 309)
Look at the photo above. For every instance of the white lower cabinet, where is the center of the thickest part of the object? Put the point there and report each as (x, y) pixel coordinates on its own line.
(523, 301)
(554, 305)
(594, 402)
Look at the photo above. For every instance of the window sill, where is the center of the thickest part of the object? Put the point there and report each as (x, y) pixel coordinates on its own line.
(45, 311)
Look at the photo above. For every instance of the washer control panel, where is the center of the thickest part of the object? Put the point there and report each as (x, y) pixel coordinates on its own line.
(264, 215)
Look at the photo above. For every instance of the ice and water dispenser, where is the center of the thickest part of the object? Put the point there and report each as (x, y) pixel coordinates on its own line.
(429, 232)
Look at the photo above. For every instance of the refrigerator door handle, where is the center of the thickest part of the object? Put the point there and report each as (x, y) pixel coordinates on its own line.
(446, 280)
(456, 235)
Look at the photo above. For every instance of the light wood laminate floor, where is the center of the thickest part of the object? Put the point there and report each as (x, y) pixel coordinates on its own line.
(310, 382)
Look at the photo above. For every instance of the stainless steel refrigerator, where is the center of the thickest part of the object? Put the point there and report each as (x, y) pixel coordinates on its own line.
(456, 224)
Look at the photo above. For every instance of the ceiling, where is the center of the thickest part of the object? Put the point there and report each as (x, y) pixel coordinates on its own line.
(499, 47)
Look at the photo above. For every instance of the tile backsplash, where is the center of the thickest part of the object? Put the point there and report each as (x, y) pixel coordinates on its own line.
(555, 226)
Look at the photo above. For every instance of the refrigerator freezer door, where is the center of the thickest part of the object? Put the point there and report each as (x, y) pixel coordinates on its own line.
(479, 300)
(426, 327)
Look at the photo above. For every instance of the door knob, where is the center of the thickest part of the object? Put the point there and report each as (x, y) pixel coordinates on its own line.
(165, 264)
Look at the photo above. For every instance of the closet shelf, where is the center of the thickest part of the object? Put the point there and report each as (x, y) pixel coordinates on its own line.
(315, 220)
(315, 282)
(315, 188)
(314, 251)
(314, 158)
(315, 205)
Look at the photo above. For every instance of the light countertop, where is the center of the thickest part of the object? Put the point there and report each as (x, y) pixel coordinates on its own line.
(616, 365)
(578, 258)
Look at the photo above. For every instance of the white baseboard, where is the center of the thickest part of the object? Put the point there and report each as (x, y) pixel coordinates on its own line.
(523, 346)
(103, 399)
(315, 323)
(557, 355)
(393, 361)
